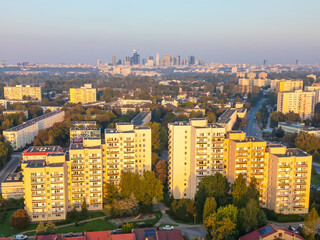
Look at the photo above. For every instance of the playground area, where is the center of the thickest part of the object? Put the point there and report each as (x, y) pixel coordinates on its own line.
(141, 219)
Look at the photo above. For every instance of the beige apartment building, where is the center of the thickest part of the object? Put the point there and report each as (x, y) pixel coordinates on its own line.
(196, 149)
(20, 92)
(289, 180)
(46, 188)
(288, 85)
(24, 134)
(248, 156)
(126, 148)
(85, 94)
(298, 101)
(314, 88)
(85, 174)
(12, 186)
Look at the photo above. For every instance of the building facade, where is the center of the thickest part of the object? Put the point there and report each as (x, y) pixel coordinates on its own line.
(126, 148)
(85, 94)
(24, 134)
(20, 92)
(196, 149)
(300, 102)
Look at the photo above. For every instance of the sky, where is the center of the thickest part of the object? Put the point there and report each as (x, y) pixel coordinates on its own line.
(224, 31)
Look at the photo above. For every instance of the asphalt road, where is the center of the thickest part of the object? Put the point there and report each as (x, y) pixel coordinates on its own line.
(10, 167)
(253, 128)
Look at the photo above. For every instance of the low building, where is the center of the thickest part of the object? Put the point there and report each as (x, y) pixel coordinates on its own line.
(228, 118)
(12, 186)
(142, 119)
(298, 127)
(40, 152)
(271, 232)
(24, 134)
(7, 112)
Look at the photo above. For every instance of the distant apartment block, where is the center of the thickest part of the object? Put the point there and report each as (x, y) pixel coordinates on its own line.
(85, 94)
(85, 174)
(298, 101)
(142, 119)
(297, 127)
(289, 180)
(20, 92)
(314, 88)
(289, 85)
(84, 129)
(126, 148)
(12, 186)
(196, 150)
(24, 134)
(260, 82)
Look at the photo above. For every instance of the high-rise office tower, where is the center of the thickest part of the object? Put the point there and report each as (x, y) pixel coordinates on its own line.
(151, 58)
(144, 61)
(192, 60)
(298, 62)
(127, 61)
(265, 62)
(157, 59)
(114, 60)
(135, 59)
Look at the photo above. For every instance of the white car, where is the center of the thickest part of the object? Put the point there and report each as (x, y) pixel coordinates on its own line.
(167, 227)
(21, 237)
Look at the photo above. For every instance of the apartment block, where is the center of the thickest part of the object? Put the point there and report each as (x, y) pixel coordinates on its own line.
(85, 94)
(314, 88)
(248, 156)
(46, 187)
(289, 180)
(298, 101)
(79, 133)
(24, 134)
(196, 149)
(126, 148)
(85, 174)
(288, 85)
(12, 186)
(20, 92)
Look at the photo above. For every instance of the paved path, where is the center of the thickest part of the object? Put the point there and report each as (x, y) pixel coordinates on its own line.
(253, 128)
(11, 166)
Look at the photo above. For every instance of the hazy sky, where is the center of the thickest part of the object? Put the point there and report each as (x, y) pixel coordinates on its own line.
(226, 31)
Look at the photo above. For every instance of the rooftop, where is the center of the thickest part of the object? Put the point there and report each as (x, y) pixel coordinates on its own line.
(32, 121)
(225, 117)
(75, 146)
(42, 149)
(138, 119)
(41, 164)
(294, 152)
(14, 177)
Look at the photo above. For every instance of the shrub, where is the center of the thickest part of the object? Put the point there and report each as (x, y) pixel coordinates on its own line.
(20, 219)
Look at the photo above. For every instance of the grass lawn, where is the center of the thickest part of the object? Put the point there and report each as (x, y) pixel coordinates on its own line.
(315, 179)
(7, 231)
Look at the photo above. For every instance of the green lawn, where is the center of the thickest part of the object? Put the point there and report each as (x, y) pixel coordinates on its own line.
(7, 231)
(315, 179)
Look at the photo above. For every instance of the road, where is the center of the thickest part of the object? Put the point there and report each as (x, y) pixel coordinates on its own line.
(10, 167)
(253, 128)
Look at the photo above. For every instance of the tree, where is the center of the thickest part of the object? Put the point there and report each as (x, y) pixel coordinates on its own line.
(41, 229)
(307, 142)
(200, 199)
(292, 117)
(20, 219)
(253, 192)
(150, 187)
(127, 227)
(50, 228)
(84, 209)
(161, 171)
(276, 117)
(110, 192)
(211, 117)
(262, 219)
(279, 133)
(239, 191)
(158, 137)
(290, 139)
(209, 207)
(222, 224)
(249, 215)
(311, 223)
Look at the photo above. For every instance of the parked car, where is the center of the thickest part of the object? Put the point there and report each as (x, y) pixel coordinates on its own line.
(293, 229)
(167, 227)
(21, 237)
(318, 188)
(313, 186)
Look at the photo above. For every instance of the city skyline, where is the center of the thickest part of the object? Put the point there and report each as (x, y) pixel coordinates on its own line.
(232, 32)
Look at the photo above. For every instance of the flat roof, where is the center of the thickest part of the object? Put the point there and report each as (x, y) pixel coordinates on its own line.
(75, 146)
(32, 121)
(42, 149)
(42, 163)
(225, 117)
(14, 177)
(293, 152)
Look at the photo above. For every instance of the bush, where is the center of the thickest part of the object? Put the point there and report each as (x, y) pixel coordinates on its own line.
(278, 217)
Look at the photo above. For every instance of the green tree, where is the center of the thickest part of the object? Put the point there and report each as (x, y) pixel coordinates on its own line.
(253, 191)
(276, 117)
(249, 215)
(41, 229)
(262, 219)
(222, 224)
(211, 117)
(209, 207)
(50, 228)
(20, 219)
(292, 117)
(150, 187)
(239, 191)
(311, 224)
(307, 142)
(84, 209)
(110, 192)
(200, 199)
(127, 227)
